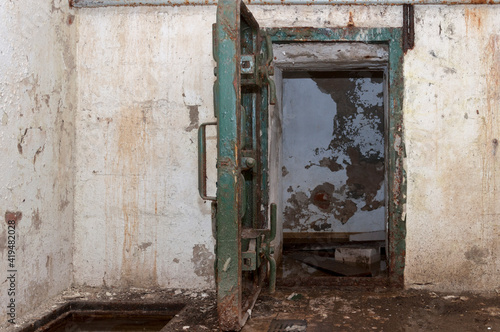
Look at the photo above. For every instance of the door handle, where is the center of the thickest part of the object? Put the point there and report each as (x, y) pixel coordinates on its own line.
(202, 161)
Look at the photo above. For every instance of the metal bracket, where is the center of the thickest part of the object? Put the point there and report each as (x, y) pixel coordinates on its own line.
(408, 27)
(249, 257)
(247, 64)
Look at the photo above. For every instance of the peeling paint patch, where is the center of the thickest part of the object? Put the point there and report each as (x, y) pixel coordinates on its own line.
(284, 171)
(143, 246)
(21, 141)
(63, 204)
(193, 118)
(364, 179)
(203, 261)
(38, 151)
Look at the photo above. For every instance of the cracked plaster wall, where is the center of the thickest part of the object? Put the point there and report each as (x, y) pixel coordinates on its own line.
(145, 77)
(37, 102)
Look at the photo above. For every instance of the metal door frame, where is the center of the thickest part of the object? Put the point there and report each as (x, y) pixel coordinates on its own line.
(395, 145)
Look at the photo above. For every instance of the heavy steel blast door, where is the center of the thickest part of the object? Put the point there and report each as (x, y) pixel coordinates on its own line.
(245, 225)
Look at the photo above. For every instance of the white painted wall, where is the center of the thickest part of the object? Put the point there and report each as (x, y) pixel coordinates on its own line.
(146, 78)
(138, 218)
(37, 103)
(452, 105)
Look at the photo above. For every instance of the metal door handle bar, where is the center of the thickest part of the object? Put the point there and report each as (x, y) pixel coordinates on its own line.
(202, 161)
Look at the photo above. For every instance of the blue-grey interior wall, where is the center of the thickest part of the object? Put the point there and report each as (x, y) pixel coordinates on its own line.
(333, 152)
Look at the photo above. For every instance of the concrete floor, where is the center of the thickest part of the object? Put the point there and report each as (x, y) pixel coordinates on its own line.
(352, 309)
(323, 308)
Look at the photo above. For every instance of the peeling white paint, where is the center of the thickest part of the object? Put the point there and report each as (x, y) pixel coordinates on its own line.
(38, 95)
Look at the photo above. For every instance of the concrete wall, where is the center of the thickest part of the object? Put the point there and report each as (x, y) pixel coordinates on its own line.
(145, 77)
(452, 87)
(37, 103)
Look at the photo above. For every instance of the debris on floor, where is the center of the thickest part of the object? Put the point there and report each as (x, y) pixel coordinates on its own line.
(377, 309)
(312, 309)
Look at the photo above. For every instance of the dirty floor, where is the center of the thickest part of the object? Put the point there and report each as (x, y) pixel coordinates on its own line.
(322, 308)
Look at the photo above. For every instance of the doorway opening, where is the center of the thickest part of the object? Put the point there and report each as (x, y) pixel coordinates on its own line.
(330, 142)
(333, 173)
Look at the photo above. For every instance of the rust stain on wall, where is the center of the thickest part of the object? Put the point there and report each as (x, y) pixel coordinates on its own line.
(473, 19)
(13, 217)
(491, 126)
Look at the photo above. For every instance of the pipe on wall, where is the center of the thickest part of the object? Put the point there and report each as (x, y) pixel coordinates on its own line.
(106, 3)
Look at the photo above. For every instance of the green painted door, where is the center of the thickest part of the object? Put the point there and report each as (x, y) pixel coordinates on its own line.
(242, 92)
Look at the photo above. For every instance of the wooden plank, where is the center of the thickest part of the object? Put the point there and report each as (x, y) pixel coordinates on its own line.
(315, 237)
(329, 265)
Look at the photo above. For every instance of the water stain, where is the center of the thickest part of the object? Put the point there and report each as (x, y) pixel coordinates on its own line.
(138, 266)
(477, 255)
(36, 220)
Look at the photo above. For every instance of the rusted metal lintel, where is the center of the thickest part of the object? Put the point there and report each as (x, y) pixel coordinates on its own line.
(107, 3)
(408, 28)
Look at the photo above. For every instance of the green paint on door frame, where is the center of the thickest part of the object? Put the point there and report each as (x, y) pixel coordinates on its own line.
(396, 175)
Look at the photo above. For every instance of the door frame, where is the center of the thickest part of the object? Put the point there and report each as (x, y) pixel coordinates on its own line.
(395, 144)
